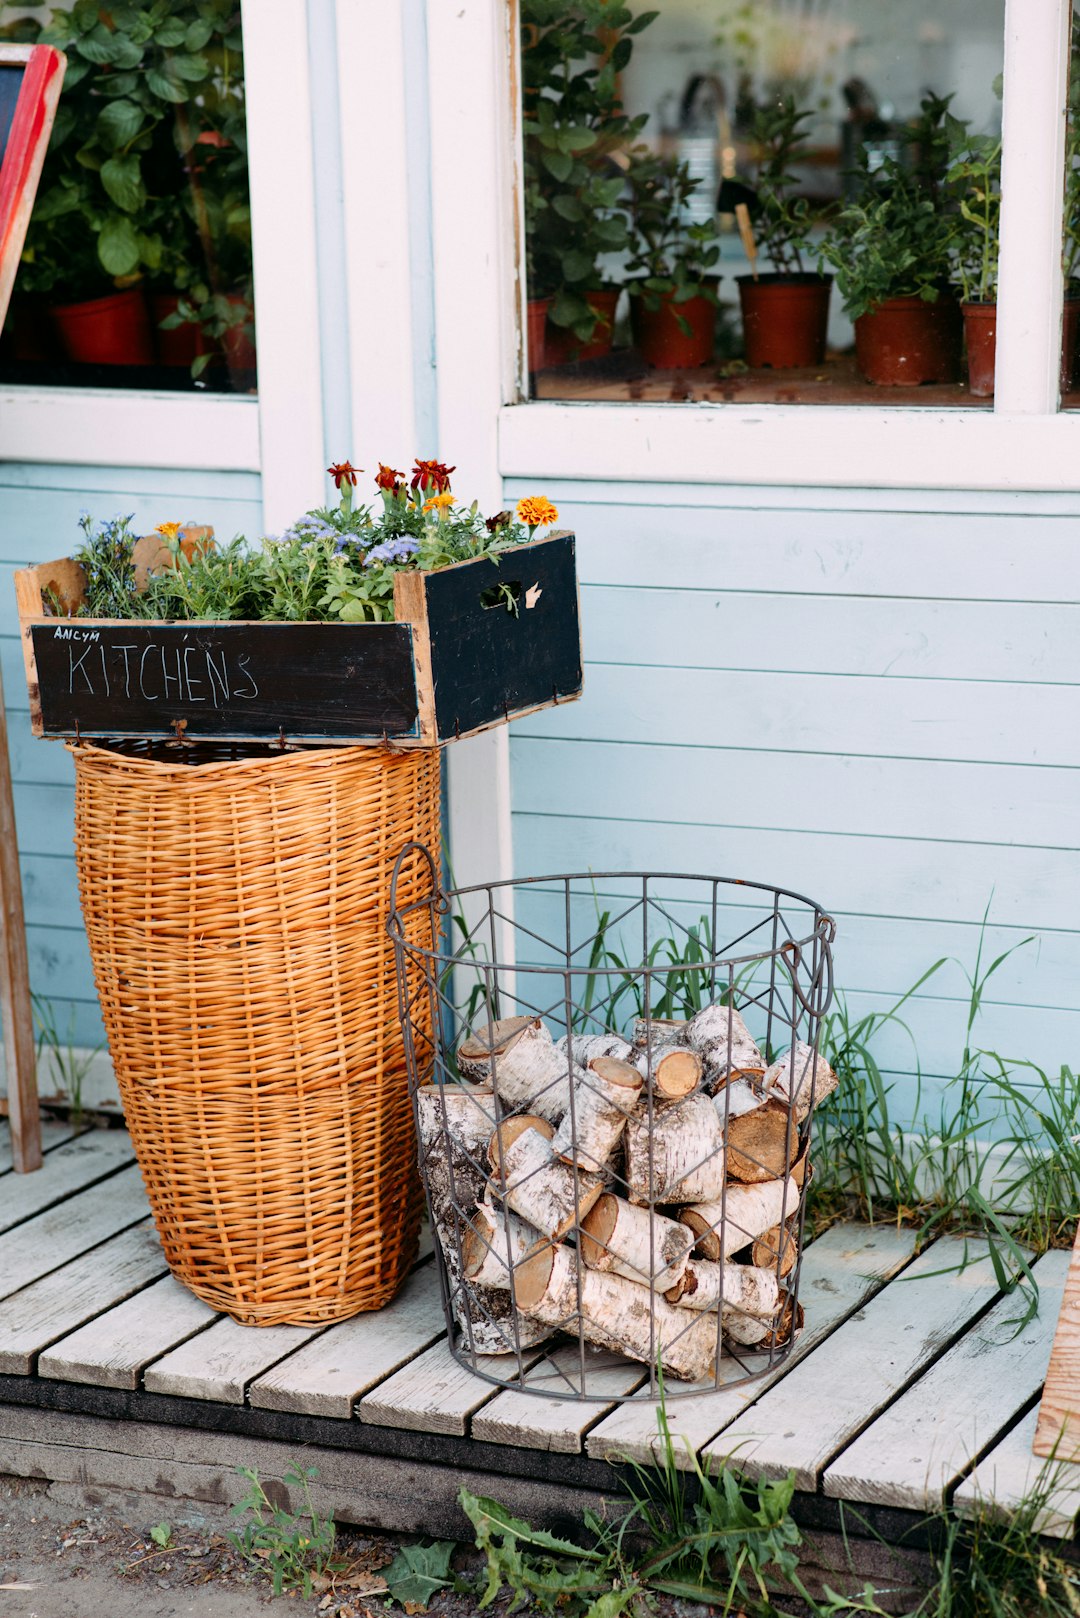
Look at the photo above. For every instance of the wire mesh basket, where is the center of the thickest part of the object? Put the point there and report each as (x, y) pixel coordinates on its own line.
(614, 1076)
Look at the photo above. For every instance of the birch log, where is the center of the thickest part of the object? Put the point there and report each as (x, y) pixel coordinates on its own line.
(673, 1070)
(454, 1128)
(602, 1100)
(723, 1228)
(802, 1078)
(736, 1099)
(680, 1158)
(751, 1333)
(583, 1047)
(665, 1030)
(494, 1244)
(508, 1132)
(616, 1314)
(776, 1249)
(626, 1240)
(546, 1193)
(725, 1046)
(763, 1144)
(519, 1059)
(741, 1288)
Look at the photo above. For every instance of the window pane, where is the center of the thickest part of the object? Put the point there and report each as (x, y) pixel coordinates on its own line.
(137, 265)
(1070, 333)
(762, 200)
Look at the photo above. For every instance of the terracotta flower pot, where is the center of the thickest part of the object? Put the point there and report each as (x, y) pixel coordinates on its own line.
(180, 345)
(238, 342)
(980, 335)
(113, 330)
(785, 318)
(538, 313)
(907, 341)
(29, 338)
(561, 347)
(662, 341)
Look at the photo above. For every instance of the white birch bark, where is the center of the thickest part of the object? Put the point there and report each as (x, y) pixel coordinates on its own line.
(603, 1098)
(627, 1240)
(494, 1244)
(583, 1047)
(616, 1314)
(519, 1059)
(673, 1070)
(751, 1333)
(545, 1192)
(801, 1078)
(724, 1227)
(680, 1158)
(725, 1045)
(740, 1288)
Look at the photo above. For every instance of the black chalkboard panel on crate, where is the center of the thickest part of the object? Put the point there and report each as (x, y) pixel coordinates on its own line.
(474, 645)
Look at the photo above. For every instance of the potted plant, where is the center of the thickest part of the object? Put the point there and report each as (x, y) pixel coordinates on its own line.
(573, 127)
(890, 246)
(672, 267)
(974, 185)
(785, 313)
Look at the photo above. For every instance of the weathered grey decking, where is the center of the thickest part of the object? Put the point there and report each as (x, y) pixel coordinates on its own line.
(909, 1389)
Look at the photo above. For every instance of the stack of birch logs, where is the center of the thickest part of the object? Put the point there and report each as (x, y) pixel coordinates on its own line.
(642, 1193)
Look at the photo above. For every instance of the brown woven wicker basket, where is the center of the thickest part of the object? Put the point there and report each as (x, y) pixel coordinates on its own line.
(236, 912)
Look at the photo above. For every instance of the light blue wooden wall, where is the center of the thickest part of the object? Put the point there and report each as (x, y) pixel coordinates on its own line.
(39, 511)
(873, 699)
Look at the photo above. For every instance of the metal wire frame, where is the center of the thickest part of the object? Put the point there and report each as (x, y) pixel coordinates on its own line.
(554, 972)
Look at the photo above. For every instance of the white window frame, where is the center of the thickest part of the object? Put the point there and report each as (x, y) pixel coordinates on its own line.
(1023, 442)
(279, 433)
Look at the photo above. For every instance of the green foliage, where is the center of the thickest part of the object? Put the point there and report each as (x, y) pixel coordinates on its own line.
(110, 574)
(146, 172)
(419, 1571)
(544, 1572)
(973, 182)
(573, 125)
(69, 1063)
(784, 220)
(162, 1535)
(669, 256)
(295, 1549)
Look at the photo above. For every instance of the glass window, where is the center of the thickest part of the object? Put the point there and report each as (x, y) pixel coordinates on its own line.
(760, 200)
(137, 265)
(1070, 324)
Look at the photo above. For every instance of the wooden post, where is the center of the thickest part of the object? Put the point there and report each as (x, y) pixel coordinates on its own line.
(20, 1059)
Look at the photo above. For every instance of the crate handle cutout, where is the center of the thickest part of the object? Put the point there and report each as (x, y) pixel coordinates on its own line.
(506, 595)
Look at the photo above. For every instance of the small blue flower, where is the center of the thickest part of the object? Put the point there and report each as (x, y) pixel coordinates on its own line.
(398, 549)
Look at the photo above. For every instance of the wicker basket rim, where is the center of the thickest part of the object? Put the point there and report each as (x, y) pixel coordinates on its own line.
(207, 774)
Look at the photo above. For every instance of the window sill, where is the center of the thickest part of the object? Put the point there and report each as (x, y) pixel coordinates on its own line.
(825, 446)
(118, 427)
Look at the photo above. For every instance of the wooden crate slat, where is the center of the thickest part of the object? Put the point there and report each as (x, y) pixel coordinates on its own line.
(1009, 1475)
(530, 1421)
(328, 1375)
(55, 1305)
(66, 1170)
(1058, 1429)
(53, 1134)
(915, 1450)
(111, 1351)
(822, 1404)
(840, 1272)
(42, 1244)
(433, 1393)
(218, 1364)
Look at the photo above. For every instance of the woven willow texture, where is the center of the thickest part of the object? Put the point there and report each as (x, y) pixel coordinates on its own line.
(236, 913)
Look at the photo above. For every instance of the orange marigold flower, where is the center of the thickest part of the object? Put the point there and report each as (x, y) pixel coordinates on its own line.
(168, 530)
(536, 511)
(386, 478)
(440, 503)
(343, 472)
(431, 475)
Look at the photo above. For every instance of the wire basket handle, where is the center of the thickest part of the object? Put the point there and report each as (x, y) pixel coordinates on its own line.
(438, 897)
(820, 989)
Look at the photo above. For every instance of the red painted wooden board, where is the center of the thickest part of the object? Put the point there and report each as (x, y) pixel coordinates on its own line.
(42, 73)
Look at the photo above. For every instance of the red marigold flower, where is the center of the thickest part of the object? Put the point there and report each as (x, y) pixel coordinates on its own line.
(432, 475)
(343, 472)
(386, 478)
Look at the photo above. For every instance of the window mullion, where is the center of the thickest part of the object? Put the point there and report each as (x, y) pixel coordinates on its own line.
(1032, 179)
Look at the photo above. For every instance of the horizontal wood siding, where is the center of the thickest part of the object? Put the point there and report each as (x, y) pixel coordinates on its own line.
(864, 697)
(39, 513)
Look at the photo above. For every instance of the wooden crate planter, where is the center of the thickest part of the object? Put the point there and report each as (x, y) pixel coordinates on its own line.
(456, 661)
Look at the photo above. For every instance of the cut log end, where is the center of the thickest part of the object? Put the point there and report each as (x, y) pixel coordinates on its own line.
(677, 1074)
(776, 1250)
(494, 1039)
(509, 1130)
(763, 1144)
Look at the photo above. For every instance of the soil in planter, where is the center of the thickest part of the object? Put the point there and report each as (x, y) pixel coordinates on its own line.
(905, 342)
(561, 347)
(785, 318)
(663, 342)
(114, 330)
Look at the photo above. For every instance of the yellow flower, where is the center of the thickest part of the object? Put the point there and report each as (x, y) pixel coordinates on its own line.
(168, 529)
(536, 512)
(440, 503)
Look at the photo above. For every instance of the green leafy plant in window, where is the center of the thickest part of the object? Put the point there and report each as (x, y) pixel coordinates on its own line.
(782, 219)
(973, 184)
(670, 257)
(576, 140)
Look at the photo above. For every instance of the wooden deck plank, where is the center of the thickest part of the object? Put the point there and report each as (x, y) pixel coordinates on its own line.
(434, 1393)
(328, 1375)
(1010, 1474)
(530, 1421)
(219, 1363)
(112, 1350)
(829, 1397)
(55, 1305)
(65, 1170)
(840, 1272)
(913, 1453)
(1058, 1430)
(55, 1237)
(53, 1134)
